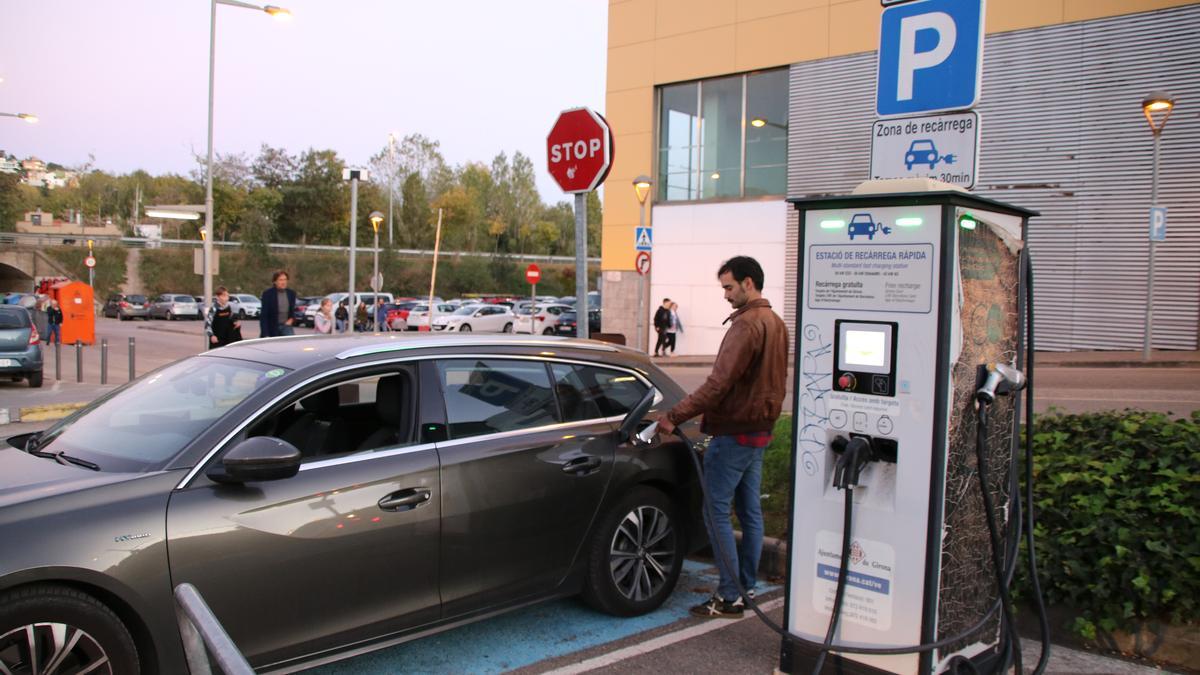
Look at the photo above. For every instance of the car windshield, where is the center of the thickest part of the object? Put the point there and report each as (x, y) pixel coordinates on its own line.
(14, 317)
(465, 311)
(184, 298)
(147, 422)
(922, 145)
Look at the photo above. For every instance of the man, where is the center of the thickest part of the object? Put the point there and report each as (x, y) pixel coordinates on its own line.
(740, 402)
(278, 304)
(662, 320)
(220, 325)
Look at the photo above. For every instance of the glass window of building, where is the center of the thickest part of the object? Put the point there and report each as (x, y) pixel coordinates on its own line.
(723, 138)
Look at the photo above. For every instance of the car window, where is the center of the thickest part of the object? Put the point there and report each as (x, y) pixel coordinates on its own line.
(148, 422)
(486, 396)
(184, 298)
(14, 318)
(577, 399)
(136, 298)
(618, 392)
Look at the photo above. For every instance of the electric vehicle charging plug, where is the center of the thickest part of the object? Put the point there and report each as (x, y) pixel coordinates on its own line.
(1002, 379)
(852, 456)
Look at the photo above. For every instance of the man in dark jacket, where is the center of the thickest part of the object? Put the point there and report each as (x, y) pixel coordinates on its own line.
(278, 304)
(740, 402)
(662, 321)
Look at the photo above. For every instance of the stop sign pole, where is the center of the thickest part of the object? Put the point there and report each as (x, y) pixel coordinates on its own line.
(532, 274)
(580, 150)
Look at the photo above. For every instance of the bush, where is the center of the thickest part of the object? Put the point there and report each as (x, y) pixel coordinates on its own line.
(1118, 517)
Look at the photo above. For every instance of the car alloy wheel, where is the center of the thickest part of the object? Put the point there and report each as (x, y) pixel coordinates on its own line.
(642, 553)
(508, 328)
(465, 328)
(635, 555)
(51, 648)
(52, 630)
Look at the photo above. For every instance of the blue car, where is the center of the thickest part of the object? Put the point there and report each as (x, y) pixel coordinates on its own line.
(921, 152)
(862, 225)
(20, 353)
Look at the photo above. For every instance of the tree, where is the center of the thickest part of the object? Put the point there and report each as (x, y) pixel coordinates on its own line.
(315, 204)
(274, 167)
(414, 214)
(11, 201)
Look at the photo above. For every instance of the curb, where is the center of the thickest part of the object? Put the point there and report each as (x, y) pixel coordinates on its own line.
(176, 331)
(44, 413)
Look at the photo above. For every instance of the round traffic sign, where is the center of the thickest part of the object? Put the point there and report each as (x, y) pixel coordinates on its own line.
(533, 274)
(90, 261)
(579, 150)
(642, 262)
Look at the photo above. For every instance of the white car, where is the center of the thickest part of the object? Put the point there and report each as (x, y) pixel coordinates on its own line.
(170, 306)
(478, 318)
(418, 316)
(245, 305)
(536, 319)
(310, 314)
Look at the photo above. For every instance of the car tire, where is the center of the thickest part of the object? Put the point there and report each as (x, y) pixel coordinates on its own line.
(465, 328)
(548, 331)
(508, 328)
(122, 317)
(96, 633)
(35, 379)
(241, 315)
(170, 316)
(635, 555)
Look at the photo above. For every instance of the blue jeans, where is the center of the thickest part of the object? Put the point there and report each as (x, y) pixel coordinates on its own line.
(285, 329)
(53, 333)
(733, 474)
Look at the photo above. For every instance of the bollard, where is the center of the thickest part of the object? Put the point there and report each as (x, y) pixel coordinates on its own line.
(104, 361)
(131, 368)
(58, 360)
(78, 361)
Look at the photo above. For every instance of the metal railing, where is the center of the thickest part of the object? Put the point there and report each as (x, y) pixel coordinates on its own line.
(203, 636)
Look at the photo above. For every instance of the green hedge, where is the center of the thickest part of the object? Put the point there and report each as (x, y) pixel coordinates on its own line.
(1118, 517)
(321, 272)
(110, 266)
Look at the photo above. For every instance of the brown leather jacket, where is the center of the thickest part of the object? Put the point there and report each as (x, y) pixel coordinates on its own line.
(745, 391)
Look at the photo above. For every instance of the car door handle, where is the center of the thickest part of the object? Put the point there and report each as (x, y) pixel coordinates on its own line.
(582, 465)
(404, 500)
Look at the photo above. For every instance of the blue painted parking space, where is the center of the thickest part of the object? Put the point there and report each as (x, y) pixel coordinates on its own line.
(530, 635)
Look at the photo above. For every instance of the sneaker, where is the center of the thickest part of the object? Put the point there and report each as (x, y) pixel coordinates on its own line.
(716, 608)
(741, 601)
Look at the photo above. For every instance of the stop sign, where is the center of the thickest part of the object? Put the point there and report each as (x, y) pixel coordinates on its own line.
(579, 150)
(533, 274)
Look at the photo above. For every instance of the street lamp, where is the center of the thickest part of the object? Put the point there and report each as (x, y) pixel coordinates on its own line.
(28, 117)
(1157, 107)
(760, 122)
(376, 218)
(277, 13)
(641, 188)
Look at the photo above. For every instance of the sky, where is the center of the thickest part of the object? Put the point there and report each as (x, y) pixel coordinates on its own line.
(127, 80)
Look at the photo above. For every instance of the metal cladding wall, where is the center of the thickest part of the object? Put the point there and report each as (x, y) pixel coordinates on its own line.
(1062, 133)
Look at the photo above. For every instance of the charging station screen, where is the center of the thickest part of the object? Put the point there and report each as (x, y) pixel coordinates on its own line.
(865, 347)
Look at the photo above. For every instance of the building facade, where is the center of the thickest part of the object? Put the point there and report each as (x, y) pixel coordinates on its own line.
(734, 105)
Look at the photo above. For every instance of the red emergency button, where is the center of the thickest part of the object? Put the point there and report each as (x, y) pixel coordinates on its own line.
(846, 381)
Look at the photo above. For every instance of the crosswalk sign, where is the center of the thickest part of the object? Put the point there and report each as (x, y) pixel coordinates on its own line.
(644, 241)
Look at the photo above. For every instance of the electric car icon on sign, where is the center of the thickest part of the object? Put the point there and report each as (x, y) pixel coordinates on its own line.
(862, 224)
(925, 152)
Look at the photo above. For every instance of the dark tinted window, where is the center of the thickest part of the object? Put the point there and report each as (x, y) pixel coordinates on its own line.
(139, 299)
(485, 396)
(577, 399)
(14, 317)
(618, 391)
(184, 298)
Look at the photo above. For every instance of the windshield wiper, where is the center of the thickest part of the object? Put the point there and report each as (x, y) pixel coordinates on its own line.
(31, 443)
(64, 458)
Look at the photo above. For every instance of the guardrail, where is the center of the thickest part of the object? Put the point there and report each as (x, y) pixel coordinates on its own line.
(26, 239)
(203, 636)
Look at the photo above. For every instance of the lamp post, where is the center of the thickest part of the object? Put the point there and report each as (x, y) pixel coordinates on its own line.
(1157, 107)
(28, 117)
(641, 187)
(391, 182)
(276, 12)
(376, 218)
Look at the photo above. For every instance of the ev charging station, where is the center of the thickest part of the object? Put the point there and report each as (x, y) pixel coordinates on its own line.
(908, 290)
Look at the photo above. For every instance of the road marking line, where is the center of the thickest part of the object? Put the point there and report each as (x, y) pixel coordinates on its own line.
(658, 642)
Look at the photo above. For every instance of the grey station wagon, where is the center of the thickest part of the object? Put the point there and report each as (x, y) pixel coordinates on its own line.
(332, 495)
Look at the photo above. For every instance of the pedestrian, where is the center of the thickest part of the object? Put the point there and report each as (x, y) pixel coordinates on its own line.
(54, 319)
(341, 317)
(662, 319)
(324, 320)
(278, 304)
(674, 328)
(381, 312)
(740, 402)
(360, 317)
(220, 324)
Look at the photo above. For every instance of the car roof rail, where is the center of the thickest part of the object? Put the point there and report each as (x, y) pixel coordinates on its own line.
(409, 343)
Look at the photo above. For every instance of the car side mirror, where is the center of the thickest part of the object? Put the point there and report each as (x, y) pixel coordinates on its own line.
(260, 458)
(629, 425)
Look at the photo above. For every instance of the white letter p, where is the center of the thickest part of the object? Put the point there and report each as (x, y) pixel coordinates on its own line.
(910, 59)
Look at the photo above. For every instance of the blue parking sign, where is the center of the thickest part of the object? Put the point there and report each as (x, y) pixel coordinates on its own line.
(930, 57)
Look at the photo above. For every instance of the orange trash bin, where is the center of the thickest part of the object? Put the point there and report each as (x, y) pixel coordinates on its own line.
(79, 315)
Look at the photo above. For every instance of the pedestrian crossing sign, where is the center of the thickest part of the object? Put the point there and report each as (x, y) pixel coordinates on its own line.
(644, 241)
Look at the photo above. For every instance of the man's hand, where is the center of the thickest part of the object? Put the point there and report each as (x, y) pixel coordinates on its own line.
(212, 339)
(289, 322)
(665, 426)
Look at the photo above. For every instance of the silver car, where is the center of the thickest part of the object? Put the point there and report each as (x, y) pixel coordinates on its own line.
(332, 495)
(171, 306)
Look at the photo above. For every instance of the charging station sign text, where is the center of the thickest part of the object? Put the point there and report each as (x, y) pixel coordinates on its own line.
(942, 147)
(930, 57)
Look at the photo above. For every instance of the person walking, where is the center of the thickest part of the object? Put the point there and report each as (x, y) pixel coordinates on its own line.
(54, 319)
(381, 312)
(740, 402)
(220, 324)
(674, 328)
(361, 316)
(323, 321)
(341, 317)
(278, 304)
(662, 319)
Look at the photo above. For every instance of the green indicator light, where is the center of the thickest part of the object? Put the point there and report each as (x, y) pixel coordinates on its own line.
(967, 221)
(832, 224)
(909, 222)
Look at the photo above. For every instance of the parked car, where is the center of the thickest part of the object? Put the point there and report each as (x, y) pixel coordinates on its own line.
(245, 305)
(593, 299)
(302, 303)
(541, 319)
(171, 306)
(20, 351)
(567, 323)
(418, 316)
(332, 500)
(369, 298)
(126, 307)
(480, 318)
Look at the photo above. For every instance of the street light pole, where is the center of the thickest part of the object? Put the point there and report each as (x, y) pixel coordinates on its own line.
(641, 188)
(1157, 107)
(391, 182)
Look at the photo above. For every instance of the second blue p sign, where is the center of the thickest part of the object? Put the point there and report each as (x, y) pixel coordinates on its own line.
(930, 57)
